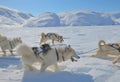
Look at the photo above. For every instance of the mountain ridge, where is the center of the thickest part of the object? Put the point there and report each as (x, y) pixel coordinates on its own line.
(10, 16)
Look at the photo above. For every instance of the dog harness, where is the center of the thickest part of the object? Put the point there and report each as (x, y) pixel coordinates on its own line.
(112, 45)
(57, 54)
(40, 51)
(12, 45)
(72, 59)
(49, 34)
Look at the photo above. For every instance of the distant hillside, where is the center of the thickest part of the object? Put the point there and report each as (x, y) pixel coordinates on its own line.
(85, 18)
(44, 20)
(12, 17)
(74, 18)
(49, 19)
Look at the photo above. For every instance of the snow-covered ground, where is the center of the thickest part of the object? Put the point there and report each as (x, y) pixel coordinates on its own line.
(83, 39)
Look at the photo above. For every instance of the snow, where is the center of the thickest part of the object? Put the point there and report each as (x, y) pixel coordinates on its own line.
(82, 39)
(47, 19)
(84, 18)
(72, 18)
(12, 17)
(56, 77)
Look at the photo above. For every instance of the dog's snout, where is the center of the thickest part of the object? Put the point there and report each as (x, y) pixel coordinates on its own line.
(76, 56)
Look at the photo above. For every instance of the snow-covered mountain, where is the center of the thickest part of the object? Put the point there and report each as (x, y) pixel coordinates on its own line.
(12, 17)
(114, 16)
(49, 19)
(74, 18)
(85, 18)
(46, 19)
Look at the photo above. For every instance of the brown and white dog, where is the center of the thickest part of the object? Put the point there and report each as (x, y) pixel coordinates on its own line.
(108, 49)
(51, 57)
(51, 36)
(7, 43)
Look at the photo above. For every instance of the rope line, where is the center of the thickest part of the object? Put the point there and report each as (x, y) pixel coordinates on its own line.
(89, 51)
(80, 53)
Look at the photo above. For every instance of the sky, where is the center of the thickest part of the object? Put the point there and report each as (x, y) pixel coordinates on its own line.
(36, 7)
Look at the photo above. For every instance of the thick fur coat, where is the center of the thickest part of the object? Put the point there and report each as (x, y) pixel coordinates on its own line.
(45, 59)
(108, 49)
(51, 36)
(7, 43)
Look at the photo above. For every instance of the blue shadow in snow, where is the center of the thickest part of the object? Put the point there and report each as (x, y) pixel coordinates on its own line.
(6, 61)
(30, 76)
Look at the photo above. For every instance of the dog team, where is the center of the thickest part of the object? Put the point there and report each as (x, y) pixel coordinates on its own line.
(47, 56)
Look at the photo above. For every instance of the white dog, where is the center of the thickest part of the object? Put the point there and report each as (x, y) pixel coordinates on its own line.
(51, 57)
(51, 36)
(10, 44)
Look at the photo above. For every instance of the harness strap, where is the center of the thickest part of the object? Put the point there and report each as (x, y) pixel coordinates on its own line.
(115, 47)
(41, 51)
(57, 54)
(11, 45)
(49, 34)
(63, 58)
(37, 52)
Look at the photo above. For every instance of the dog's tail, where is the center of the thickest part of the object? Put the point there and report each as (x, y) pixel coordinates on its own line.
(24, 50)
(101, 43)
(43, 35)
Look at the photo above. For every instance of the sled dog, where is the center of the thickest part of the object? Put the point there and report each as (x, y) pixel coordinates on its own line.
(51, 36)
(7, 43)
(108, 49)
(51, 57)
